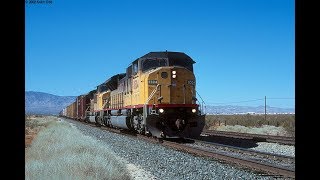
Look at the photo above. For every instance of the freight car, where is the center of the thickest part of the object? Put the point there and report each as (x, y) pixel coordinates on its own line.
(83, 105)
(156, 96)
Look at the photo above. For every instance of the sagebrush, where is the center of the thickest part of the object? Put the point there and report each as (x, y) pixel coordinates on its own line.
(286, 121)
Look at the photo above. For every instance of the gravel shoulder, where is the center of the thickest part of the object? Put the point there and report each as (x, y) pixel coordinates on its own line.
(275, 148)
(153, 161)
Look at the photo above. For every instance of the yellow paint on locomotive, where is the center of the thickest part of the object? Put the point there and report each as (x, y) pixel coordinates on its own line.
(137, 87)
(178, 90)
(173, 88)
(116, 100)
(101, 100)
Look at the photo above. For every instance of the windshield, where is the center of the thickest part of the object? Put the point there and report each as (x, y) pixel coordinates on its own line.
(182, 63)
(153, 63)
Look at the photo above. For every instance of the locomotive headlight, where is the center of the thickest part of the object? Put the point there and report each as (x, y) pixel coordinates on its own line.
(174, 76)
(174, 72)
(194, 110)
(161, 110)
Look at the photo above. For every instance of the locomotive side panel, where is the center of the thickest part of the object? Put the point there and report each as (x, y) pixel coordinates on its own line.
(102, 100)
(116, 99)
(135, 91)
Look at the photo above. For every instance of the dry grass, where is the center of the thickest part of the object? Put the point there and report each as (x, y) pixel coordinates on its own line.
(287, 121)
(33, 125)
(60, 151)
(264, 129)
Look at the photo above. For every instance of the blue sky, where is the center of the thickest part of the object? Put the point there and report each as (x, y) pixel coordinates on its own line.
(244, 49)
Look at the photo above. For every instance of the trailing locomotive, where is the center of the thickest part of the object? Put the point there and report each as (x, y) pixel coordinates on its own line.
(156, 96)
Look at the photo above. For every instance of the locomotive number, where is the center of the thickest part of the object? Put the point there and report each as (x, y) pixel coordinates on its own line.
(152, 82)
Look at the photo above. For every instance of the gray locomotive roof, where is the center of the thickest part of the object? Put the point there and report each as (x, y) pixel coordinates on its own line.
(112, 83)
(168, 54)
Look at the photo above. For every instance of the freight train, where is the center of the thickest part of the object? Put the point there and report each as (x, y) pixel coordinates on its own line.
(156, 96)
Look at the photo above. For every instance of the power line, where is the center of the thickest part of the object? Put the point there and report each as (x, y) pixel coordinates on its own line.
(252, 100)
(280, 98)
(238, 101)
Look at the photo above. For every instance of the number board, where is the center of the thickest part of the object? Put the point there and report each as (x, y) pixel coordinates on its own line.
(152, 82)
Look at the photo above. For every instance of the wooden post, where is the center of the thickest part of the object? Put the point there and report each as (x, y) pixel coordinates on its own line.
(265, 108)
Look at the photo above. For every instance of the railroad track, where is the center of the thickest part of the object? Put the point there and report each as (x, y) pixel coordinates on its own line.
(247, 151)
(266, 168)
(263, 167)
(255, 137)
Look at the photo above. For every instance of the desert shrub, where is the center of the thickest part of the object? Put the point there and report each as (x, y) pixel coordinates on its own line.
(286, 121)
(264, 129)
(38, 122)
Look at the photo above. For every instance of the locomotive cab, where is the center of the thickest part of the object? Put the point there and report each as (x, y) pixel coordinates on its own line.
(167, 93)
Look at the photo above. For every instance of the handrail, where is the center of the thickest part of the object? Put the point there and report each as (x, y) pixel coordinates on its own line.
(145, 105)
(202, 102)
(152, 93)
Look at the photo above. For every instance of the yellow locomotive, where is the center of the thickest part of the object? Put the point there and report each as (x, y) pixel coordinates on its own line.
(156, 96)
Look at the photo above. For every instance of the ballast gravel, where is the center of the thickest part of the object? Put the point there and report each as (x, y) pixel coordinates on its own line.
(275, 148)
(163, 163)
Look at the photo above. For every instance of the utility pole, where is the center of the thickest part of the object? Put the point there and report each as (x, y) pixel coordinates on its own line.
(265, 108)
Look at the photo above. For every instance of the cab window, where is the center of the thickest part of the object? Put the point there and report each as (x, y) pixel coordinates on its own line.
(135, 68)
(153, 63)
(182, 63)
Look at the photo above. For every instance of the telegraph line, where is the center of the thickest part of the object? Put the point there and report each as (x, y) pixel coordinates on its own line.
(238, 101)
(252, 100)
(281, 98)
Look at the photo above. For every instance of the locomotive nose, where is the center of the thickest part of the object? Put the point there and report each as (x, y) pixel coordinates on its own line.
(180, 124)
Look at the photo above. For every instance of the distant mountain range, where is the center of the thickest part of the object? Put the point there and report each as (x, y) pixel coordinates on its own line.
(44, 103)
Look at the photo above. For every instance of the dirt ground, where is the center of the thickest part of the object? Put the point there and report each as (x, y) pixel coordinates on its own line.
(31, 130)
(30, 134)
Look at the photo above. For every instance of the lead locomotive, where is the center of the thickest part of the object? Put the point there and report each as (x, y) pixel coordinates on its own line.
(156, 96)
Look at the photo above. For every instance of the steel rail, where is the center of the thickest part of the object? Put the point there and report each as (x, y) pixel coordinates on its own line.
(255, 165)
(257, 137)
(278, 156)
